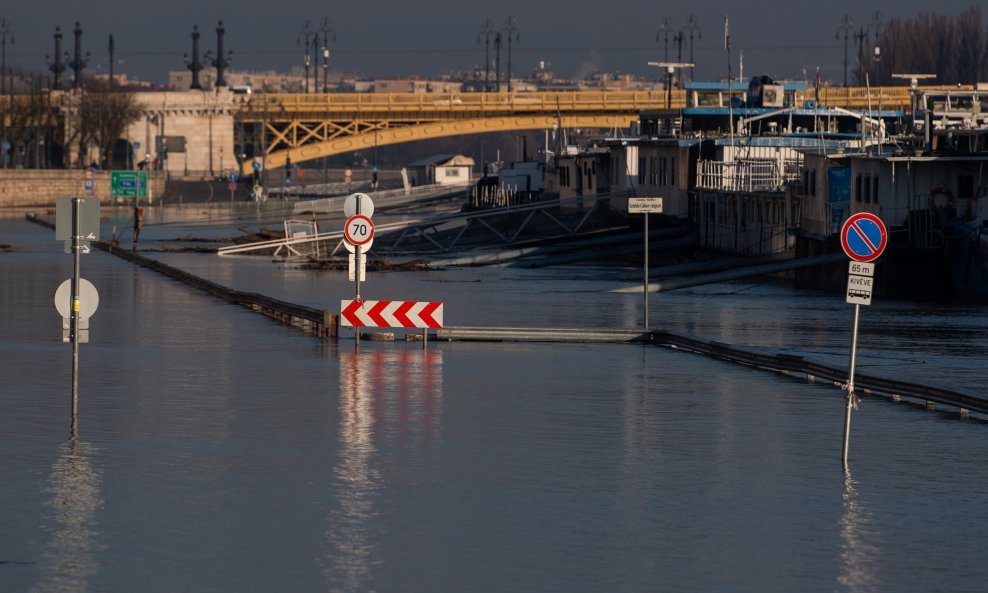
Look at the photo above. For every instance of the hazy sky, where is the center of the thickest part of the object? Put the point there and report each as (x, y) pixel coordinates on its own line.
(392, 39)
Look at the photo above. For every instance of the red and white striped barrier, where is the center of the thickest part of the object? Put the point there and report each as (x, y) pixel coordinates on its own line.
(391, 314)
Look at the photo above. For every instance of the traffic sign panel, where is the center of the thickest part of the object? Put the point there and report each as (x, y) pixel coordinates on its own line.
(358, 230)
(88, 219)
(88, 298)
(358, 203)
(863, 237)
(128, 184)
(356, 313)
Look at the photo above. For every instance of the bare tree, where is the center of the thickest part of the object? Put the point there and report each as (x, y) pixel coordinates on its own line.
(953, 48)
(104, 116)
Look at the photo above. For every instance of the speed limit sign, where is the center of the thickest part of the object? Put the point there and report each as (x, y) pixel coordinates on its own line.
(359, 230)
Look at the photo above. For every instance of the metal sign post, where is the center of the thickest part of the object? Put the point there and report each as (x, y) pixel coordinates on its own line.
(358, 233)
(76, 223)
(645, 206)
(74, 309)
(863, 238)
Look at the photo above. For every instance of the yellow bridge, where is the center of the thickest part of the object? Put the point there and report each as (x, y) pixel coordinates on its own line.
(302, 127)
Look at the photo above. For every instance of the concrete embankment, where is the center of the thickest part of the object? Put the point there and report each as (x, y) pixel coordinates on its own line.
(38, 189)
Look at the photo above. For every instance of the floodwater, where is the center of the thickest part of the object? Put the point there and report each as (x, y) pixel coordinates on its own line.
(217, 450)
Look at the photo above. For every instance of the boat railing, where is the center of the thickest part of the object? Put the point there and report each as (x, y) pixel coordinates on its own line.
(753, 175)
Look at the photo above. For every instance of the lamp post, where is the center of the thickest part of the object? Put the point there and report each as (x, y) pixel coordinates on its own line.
(326, 28)
(305, 38)
(511, 32)
(860, 37)
(78, 64)
(194, 65)
(665, 28)
(876, 23)
(325, 70)
(693, 27)
(497, 61)
(486, 32)
(5, 33)
(112, 48)
(846, 25)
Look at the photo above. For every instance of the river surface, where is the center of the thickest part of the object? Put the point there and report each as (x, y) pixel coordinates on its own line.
(217, 450)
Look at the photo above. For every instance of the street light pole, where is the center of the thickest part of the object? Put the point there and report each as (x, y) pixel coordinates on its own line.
(328, 35)
(876, 22)
(486, 31)
(5, 33)
(846, 25)
(693, 27)
(497, 62)
(511, 30)
(305, 38)
(665, 27)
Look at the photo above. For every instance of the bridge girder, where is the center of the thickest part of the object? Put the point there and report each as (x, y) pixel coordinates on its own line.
(302, 143)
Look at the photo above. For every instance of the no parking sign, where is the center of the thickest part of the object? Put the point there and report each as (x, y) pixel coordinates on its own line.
(863, 237)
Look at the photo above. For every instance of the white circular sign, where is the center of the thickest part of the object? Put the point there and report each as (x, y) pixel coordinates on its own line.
(353, 248)
(358, 230)
(351, 203)
(88, 298)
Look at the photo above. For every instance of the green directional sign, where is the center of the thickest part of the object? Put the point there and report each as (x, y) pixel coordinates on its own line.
(129, 184)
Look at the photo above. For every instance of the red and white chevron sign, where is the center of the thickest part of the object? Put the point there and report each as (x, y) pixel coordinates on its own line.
(391, 314)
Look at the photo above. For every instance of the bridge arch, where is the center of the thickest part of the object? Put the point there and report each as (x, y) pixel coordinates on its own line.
(439, 129)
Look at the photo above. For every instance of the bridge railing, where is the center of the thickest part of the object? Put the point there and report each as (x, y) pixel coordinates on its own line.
(279, 106)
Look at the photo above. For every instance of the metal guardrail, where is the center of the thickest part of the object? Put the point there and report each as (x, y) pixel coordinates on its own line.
(382, 199)
(787, 364)
(543, 334)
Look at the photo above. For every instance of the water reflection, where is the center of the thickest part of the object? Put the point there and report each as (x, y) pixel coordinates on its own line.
(381, 393)
(72, 554)
(858, 556)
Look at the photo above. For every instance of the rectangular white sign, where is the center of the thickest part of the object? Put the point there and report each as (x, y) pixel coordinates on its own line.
(859, 290)
(644, 205)
(363, 268)
(858, 268)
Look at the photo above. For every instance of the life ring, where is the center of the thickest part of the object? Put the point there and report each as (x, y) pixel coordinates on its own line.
(941, 191)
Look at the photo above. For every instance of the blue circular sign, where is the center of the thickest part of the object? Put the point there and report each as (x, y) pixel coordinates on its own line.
(863, 237)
